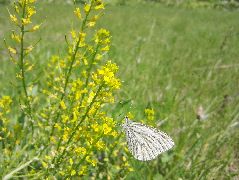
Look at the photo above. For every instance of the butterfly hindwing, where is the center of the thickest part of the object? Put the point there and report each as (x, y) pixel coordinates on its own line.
(146, 143)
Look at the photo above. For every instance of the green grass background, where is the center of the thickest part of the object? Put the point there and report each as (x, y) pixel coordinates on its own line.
(171, 59)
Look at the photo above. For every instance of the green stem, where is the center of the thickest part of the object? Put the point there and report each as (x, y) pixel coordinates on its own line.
(91, 65)
(89, 71)
(22, 67)
(68, 74)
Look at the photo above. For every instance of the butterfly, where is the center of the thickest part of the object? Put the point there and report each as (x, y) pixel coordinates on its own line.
(144, 142)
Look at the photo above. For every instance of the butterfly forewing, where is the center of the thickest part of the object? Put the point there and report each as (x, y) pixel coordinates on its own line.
(144, 142)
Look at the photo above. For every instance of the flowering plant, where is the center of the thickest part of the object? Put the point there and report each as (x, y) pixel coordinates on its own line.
(63, 128)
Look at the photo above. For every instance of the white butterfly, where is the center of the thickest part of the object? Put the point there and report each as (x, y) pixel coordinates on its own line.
(144, 142)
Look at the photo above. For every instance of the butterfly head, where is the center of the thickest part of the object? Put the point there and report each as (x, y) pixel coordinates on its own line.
(127, 122)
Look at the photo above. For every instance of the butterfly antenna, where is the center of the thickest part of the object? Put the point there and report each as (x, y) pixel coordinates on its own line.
(126, 119)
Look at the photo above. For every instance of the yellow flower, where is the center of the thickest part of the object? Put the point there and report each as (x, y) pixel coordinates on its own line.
(91, 96)
(91, 23)
(48, 157)
(15, 37)
(29, 68)
(82, 35)
(88, 159)
(29, 49)
(106, 41)
(95, 127)
(12, 50)
(100, 6)
(149, 114)
(18, 75)
(75, 116)
(71, 161)
(57, 126)
(16, 8)
(66, 134)
(106, 48)
(13, 18)
(31, 1)
(73, 33)
(85, 61)
(64, 118)
(26, 21)
(62, 173)
(106, 159)
(44, 164)
(94, 162)
(30, 11)
(91, 161)
(87, 8)
(63, 105)
(98, 57)
(80, 150)
(106, 129)
(78, 13)
(17, 142)
(53, 139)
(102, 35)
(130, 169)
(124, 158)
(100, 145)
(83, 170)
(35, 28)
(130, 115)
(73, 172)
(106, 74)
(82, 39)
(93, 20)
(149, 111)
(114, 133)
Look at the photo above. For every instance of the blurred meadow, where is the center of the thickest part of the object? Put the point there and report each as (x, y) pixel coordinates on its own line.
(179, 62)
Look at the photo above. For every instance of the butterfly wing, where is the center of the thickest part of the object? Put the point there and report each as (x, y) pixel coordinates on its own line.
(146, 143)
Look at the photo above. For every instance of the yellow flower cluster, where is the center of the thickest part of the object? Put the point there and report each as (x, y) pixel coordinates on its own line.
(5, 103)
(23, 12)
(26, 8)
(150, 114)
(5, 107)
(102, 36)
(106, 75)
